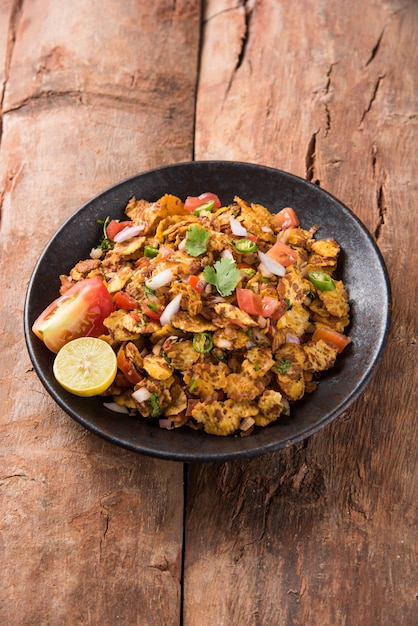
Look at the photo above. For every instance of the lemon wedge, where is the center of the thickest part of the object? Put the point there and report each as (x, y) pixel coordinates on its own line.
(85, 366)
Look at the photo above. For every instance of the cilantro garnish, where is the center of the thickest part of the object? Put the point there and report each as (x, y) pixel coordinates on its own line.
(283, 365)
(224, 275)
(196, 240)
(105, 243)
(154, 401)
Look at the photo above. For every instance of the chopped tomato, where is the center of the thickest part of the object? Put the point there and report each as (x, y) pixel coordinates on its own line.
(196, 283)
(165, 252)
(249, 301)
(283, 254)
(286, 218)
(79, 312)
(329, 335)
(268, 306)
(254, 304)
(280, 310)
(114, 227)
(194, 202)
(124, 301)
(127, 368)
(152, 310)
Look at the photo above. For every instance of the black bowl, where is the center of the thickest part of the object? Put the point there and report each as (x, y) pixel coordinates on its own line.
(362, 269)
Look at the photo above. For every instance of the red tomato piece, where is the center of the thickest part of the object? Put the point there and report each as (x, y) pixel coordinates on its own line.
(286, 218)
(79, 312)
(196, 283)
(268, 306)
(283, 254)
(124, 301)
(280, 310)
(149, 310)
(114, 227)
(127, 368)
(194, 202)
(249, 301)
(329, 335)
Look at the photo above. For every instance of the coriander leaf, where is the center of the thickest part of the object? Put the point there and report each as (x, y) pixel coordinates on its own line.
(196, 240)
(154, 401)
(283, 365)
(105, 243)
(224, 275)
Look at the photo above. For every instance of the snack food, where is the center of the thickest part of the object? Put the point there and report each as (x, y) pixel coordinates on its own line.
(216, 310)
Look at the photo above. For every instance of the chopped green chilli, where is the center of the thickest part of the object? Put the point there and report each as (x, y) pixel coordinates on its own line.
(321, 281)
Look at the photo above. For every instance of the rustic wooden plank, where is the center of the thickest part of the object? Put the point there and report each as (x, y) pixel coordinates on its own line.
(90, 533)
(323, 532)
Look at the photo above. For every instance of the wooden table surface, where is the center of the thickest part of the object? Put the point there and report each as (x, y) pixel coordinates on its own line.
(320, 534)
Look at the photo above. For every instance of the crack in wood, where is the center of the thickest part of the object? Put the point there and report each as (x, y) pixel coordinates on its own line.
(310, 159)
(325, 99)
(381, 205)
(244, 42)
(15, 15)
(375, 48)
(372, 97)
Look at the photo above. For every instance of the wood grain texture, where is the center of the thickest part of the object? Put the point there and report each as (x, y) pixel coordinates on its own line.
(91, 93)
(323, 533)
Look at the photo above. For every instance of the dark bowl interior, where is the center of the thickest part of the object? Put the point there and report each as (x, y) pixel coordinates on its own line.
(361, 268)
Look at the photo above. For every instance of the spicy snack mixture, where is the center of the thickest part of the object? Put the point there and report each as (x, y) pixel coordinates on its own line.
(221, 315)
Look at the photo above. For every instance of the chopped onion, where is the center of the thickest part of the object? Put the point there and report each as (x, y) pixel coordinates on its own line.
(171, 308)
(128, 233)
(141, 395)
(96, 253)
(247, 423)
(292, 338)
(182, 245)
(160, 279)
(116, 408)
(227, 254)
(237, 228)
(271, 265)
(266, 229)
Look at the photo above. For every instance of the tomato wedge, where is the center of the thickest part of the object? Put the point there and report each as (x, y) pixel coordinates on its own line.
(286, 218)
(283, 254)
(329, 335)
(114, 227)
(194, 202)
(79, 312)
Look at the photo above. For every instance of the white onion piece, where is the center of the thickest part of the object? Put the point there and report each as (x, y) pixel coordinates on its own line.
(227, 254)
(237, 228)
(182, 245)
(96, 253)
(292, 338)
(128, 233)
(141, 395)
(271, 265)
(116, 408)
(266, 229)
(247, 423)
(160, 279)
(171, 308)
